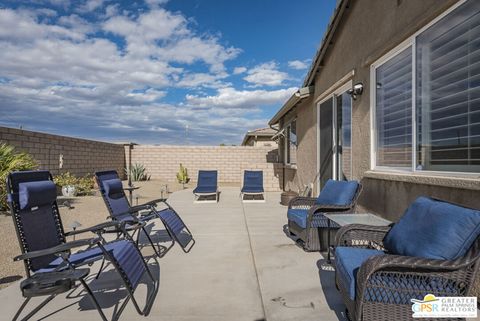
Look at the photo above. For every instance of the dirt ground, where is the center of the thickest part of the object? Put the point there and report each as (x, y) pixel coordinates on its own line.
(88, 211)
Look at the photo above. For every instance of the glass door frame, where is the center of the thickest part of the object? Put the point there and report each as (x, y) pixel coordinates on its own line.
(332, 95)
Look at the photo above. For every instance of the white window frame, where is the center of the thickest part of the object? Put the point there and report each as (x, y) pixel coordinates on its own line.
(287, 142)
(411, 41)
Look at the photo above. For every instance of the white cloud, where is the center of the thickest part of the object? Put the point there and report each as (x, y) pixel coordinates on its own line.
(195, 80)
(90, 5)
(239, 70)
(190, 50)
(298, 64)
(60, 73)
(266, 74)
(155, 3)
(231, 98)
(111, 10)
(23, 26)
(148, 95)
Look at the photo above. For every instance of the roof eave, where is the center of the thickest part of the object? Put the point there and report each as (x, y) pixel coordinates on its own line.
(297, 96)
(326, 42)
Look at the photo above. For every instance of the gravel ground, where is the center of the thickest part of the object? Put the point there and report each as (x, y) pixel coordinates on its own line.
(88, 210)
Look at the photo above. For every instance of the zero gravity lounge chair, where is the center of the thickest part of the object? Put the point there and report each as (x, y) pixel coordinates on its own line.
(50, 266)
(120, 210)
(252, 186)
(206, 187)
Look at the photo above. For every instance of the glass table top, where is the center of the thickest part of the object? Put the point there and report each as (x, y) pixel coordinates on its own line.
(357, 218)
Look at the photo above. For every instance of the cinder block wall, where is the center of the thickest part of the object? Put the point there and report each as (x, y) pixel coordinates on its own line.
(80, 156)
(162, 162)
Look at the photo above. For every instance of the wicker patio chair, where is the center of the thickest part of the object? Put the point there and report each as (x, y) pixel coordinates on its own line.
(305, 214)
(378, 283)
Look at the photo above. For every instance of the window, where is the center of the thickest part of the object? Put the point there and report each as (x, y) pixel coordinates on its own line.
(344, 136)
(291, 143)
(441, 67)
(394, 111)
(448, 92)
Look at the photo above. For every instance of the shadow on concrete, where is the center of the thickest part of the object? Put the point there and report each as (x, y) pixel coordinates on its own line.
(298, 242)
(10, 279)
(326, 274)
(109, 291)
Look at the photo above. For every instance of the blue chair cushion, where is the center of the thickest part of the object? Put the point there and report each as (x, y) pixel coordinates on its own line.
(113, 187)
(252, 182)
(39, 193)
(299, 216)
(347, 262)
(434, 229)
(337, 193)
(205, 189)
(252, 189)
(123, 251)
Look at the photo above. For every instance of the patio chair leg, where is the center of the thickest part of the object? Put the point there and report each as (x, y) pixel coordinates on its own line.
(101, 269)
(150, 297)
(94, 300)
(37, 308)
(150, 241)
(21, 308)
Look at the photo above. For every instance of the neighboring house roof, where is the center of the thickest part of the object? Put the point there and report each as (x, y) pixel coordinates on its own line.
(264, 132)
(316, 62)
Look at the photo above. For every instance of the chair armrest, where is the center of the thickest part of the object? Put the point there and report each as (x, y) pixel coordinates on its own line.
(155, 202)
(360, 235)
(96, 228)
(58, 249)
(329, 209)
(301, 201)
(407, 268)
(138, 208)
(402, 263)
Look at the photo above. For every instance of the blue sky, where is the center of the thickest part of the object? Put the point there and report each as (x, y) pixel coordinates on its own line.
(154, 71)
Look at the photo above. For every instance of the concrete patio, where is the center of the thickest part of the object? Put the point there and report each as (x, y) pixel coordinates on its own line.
(243, 267)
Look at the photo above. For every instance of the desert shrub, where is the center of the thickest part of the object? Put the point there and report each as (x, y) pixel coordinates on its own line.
(11, 160)
(182, 175)
(65, 179)
(138, 172)
(84, 185)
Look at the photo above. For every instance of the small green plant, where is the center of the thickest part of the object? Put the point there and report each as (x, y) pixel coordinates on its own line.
(138, 173)
(10, 161)
(65, 179)
(83, 185)
(182, 176)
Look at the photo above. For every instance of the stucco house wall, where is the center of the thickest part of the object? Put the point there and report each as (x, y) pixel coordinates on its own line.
(367, 31)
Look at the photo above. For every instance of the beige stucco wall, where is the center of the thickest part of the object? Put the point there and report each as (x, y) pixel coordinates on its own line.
(162, 162)
(303, 174)
(80, 156)
(369, 29)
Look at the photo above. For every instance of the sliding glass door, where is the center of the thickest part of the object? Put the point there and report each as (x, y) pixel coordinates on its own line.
(334, 139)
(326, 141)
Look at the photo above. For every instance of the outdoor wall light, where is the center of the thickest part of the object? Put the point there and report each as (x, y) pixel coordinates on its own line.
(356, 90)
